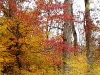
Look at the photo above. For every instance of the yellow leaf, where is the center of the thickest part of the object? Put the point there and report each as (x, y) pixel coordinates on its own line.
(1, 59)
(87, 6)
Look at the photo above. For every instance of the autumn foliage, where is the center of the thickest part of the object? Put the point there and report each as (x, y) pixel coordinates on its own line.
(26, 45)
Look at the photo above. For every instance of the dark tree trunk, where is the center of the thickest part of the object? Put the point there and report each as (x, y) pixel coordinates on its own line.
(87, 27)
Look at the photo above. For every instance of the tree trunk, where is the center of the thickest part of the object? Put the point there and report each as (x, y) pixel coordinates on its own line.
(74, 35)
(67, 33)
(87, 22)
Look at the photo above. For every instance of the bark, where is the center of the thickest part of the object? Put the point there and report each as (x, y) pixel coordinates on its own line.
(89, 49)
(88, 33)
(74, 32)
(74, 35)
(67, 33)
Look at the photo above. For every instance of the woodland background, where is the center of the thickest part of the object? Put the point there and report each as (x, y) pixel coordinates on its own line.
(48, 38)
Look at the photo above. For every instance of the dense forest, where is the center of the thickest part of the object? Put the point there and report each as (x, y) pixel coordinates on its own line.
(49, 37)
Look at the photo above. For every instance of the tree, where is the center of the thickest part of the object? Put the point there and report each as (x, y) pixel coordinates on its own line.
(23, 37)
(68, 30)
(88, 25)
(19, 29)
(88, 32)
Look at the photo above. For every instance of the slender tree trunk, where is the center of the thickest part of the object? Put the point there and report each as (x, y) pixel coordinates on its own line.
(74, 35)
(67, 33)
(74, 31)
(89, 50)
(66, 39)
